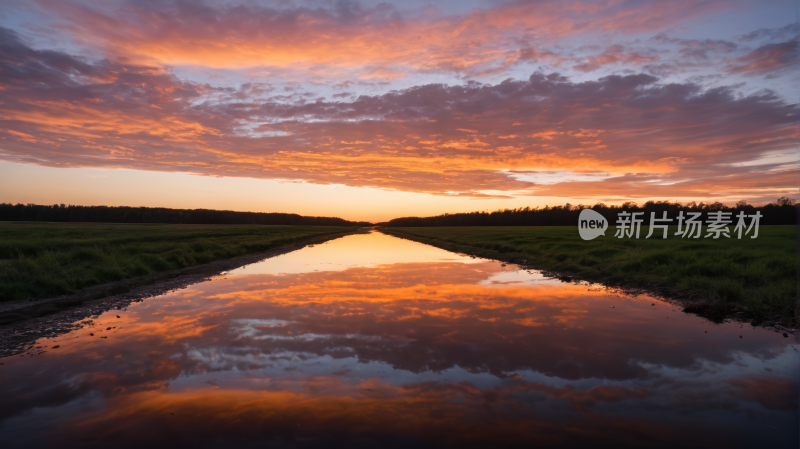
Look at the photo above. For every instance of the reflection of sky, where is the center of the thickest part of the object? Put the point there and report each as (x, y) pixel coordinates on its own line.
(515, 276)
(423, 347)
(353, 251)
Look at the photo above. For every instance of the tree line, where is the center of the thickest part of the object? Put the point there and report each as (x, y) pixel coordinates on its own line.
(782, 212)
(125, 214)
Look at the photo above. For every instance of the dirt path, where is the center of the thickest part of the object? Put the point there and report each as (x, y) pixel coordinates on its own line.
(24, 322)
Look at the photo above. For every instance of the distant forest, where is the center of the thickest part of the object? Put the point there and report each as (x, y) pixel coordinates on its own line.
(124, 214)
(783, 212)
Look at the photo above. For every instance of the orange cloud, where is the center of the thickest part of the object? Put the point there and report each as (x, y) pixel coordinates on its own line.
(351, 34)
(474, 140)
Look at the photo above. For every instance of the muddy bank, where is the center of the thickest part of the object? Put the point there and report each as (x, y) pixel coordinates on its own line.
(23, 322)
(690, 302)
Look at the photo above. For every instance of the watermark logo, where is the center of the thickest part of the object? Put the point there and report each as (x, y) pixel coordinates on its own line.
(591, 224)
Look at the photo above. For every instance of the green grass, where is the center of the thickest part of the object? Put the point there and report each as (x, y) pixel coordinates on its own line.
(760, 274)
(39, 260)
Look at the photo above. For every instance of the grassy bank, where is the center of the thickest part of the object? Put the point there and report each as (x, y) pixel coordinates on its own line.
(39, 260)
(760, 274)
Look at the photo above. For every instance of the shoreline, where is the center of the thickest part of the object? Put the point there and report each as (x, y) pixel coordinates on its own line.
(22, 325)
(716, 312)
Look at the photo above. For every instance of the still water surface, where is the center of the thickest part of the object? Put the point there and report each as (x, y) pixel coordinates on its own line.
(374, 341)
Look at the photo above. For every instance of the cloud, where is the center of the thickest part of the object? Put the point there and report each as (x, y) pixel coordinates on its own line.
(768, 59)
(64, 111)
(558, 177)
(223, 35)
(616, 54)
(782, 33)
(381, 72)
(697, 49)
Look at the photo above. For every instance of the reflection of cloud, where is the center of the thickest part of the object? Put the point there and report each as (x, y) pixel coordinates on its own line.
(436, 343)
(448, 414)
(773, 393)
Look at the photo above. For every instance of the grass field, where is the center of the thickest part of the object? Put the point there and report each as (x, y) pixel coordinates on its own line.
(39, 260)
(760, 274)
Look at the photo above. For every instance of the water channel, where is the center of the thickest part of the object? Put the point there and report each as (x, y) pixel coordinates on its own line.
(375, 341)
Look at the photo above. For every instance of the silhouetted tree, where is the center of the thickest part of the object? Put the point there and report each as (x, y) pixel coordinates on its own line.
(783, 212)
(124, 214)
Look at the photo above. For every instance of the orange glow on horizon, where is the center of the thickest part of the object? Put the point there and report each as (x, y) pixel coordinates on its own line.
(431, 110)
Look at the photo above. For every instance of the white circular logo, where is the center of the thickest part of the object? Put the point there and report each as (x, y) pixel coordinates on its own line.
(591, 224)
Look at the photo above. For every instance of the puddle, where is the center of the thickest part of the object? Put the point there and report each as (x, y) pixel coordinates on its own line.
(371, 340)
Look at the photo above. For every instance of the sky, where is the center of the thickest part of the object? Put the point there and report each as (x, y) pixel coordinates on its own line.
(375, 110)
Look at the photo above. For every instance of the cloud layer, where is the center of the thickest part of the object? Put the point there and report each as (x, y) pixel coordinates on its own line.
(636, 131)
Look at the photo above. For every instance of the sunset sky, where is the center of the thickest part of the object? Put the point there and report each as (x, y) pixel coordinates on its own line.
(375, 110)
